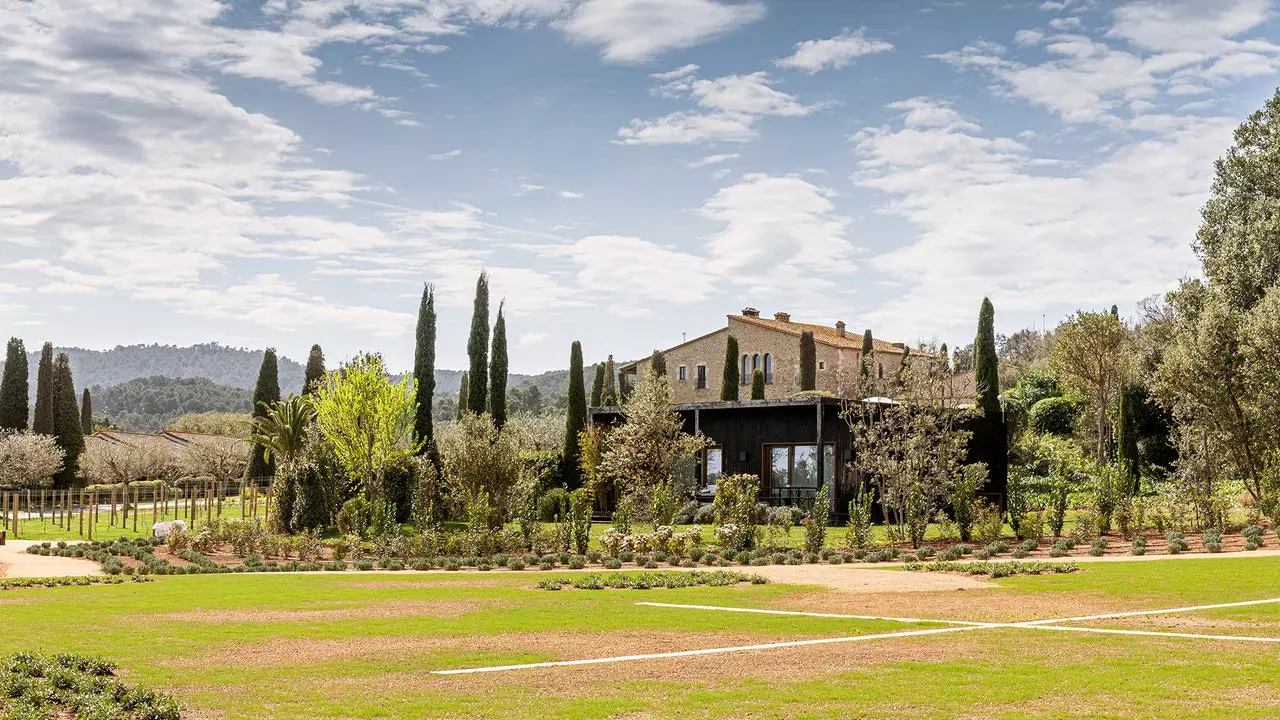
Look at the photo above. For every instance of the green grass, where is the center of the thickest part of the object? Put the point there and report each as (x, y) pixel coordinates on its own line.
(369, 657)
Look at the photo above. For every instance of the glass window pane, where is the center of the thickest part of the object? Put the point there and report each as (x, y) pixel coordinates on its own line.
(780, 467)
(829, 465)
(805, 474)
(715, 465)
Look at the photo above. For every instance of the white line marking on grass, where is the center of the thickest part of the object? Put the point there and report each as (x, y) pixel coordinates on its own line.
(815, 614)
(711, 651)
(1138, 613)
(1154, 633)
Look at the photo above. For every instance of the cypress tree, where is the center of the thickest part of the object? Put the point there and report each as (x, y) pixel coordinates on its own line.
(945, 357)
(498, 371)
(86, 413)
(1127, 439)
(464, 387)
(1115, 312)
(597, 386)
(424, 371)
(67, 429)
(868, 353)
(265, 394)
(729, 384)
(575, 418)
(15, 404)
(478, 349)
(315, 372)
(757, 384)
(808, 362)
(42, 420)
(659, 363)
(610, 395)
(986, 372)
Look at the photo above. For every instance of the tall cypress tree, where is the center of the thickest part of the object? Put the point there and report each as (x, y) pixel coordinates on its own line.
(67, 429)
(659, 363)
(86, 413)
(42, 419)
(575, 419)
(729, 383)
(986, 371)
(15, 404)
(478, 349)
(464, 388)
(757, 384)
(867, 355)
(1127, 438)
(609, 398)
(424, 371)
(808, 362)
(498, 371)
(945, 356)
(315, 372)
(265, 394)
(597, 386)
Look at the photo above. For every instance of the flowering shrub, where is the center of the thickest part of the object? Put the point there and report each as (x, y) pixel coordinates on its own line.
(615, 543)
(735, 511)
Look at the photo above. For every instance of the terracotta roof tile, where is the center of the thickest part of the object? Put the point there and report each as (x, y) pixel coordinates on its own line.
(821, 333)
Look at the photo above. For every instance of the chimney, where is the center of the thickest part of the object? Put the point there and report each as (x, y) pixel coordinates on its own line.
(840, 328)
(750, 312)
(782, 317)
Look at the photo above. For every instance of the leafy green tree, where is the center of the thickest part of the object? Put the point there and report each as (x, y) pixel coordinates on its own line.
(265, 394)
(86, 413)
(1091, 355)
(424, 371)
(730, 381)
(575, 418)
(1239, 239)
(368, 421)
(15, 404)
(67, 429)
(498, 371)
(659, 363)
(478, 349)
(464, 388)
(1127, 439)
(42, 420)
(315, 372)
(986, 364)
(597, 386)
(281, 431)
(757, 384)
(610, 395)
(808, 362)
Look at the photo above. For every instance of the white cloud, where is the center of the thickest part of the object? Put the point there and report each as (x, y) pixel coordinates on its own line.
(749, 94)
(532, 338)
(531, 187)
(712, 160)
(991, 221)
(927, 113)
(570, 195)
(652, 271)
(444, 155)
(630, 31)
(837, 52)
(675, 74)
(1028, 37)
(688, 127)
(1066, 23)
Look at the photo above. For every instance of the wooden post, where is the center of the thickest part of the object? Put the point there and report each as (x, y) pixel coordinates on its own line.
(41, 505)
(93, 508)
(208, 503)
(113, 505)
(240, 490)
(266, 511)
(253, 501)
(222, 493)
(155, 502)
(15, 516)
(82, 504)
(136, 494)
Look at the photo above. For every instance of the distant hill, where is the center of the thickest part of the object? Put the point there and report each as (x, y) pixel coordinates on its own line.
(153, 403)
(222, 365)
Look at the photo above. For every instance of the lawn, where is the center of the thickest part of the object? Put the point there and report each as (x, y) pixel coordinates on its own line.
(363, 645)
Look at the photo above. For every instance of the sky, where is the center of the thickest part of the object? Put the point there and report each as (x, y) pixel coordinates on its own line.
(628, 172)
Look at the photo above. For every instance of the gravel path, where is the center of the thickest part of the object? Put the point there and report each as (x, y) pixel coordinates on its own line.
(16, 563)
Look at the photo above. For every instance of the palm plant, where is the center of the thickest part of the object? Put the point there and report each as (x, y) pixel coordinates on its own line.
(282, 431)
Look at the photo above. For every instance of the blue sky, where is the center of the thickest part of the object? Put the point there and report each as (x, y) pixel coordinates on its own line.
(627, 171)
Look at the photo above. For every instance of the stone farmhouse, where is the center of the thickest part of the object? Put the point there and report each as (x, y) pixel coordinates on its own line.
(695, 368)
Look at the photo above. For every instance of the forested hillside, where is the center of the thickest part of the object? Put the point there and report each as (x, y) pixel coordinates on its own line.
(232, 367)
(153, 403)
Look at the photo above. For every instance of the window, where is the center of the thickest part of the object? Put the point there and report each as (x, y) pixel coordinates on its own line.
(683, 373)
(715, 466)
(755, 362)
(880, 370)
(702, 377)
(822, 364)
(795, 468)
(768, 368)
(745, 375)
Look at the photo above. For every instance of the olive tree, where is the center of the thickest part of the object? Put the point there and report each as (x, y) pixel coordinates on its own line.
(28, 461)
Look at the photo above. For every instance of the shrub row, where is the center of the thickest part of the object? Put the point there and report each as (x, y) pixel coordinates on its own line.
(649, 580)
(63, 685)
(1004, 568)
(75, 581)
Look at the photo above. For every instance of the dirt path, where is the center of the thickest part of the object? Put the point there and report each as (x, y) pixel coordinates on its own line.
(856, 580)
(16, 563)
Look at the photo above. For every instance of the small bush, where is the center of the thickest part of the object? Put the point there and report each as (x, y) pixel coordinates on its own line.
(1175, 542)
(577, 562)
(515, 564)
(612, 563)
(1253, 535)
(1138, 546)
(1019, 553)
(651, 565)
(926, 551)
(1212, 540)
(1098, 547)
(363, 564)
(452, 565)
(593, 556)
(1058, 550)
(627, 557)
(546, 565)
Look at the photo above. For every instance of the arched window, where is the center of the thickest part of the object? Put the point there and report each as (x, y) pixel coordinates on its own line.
(744, 377)
(755, 362)
(768, 368)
